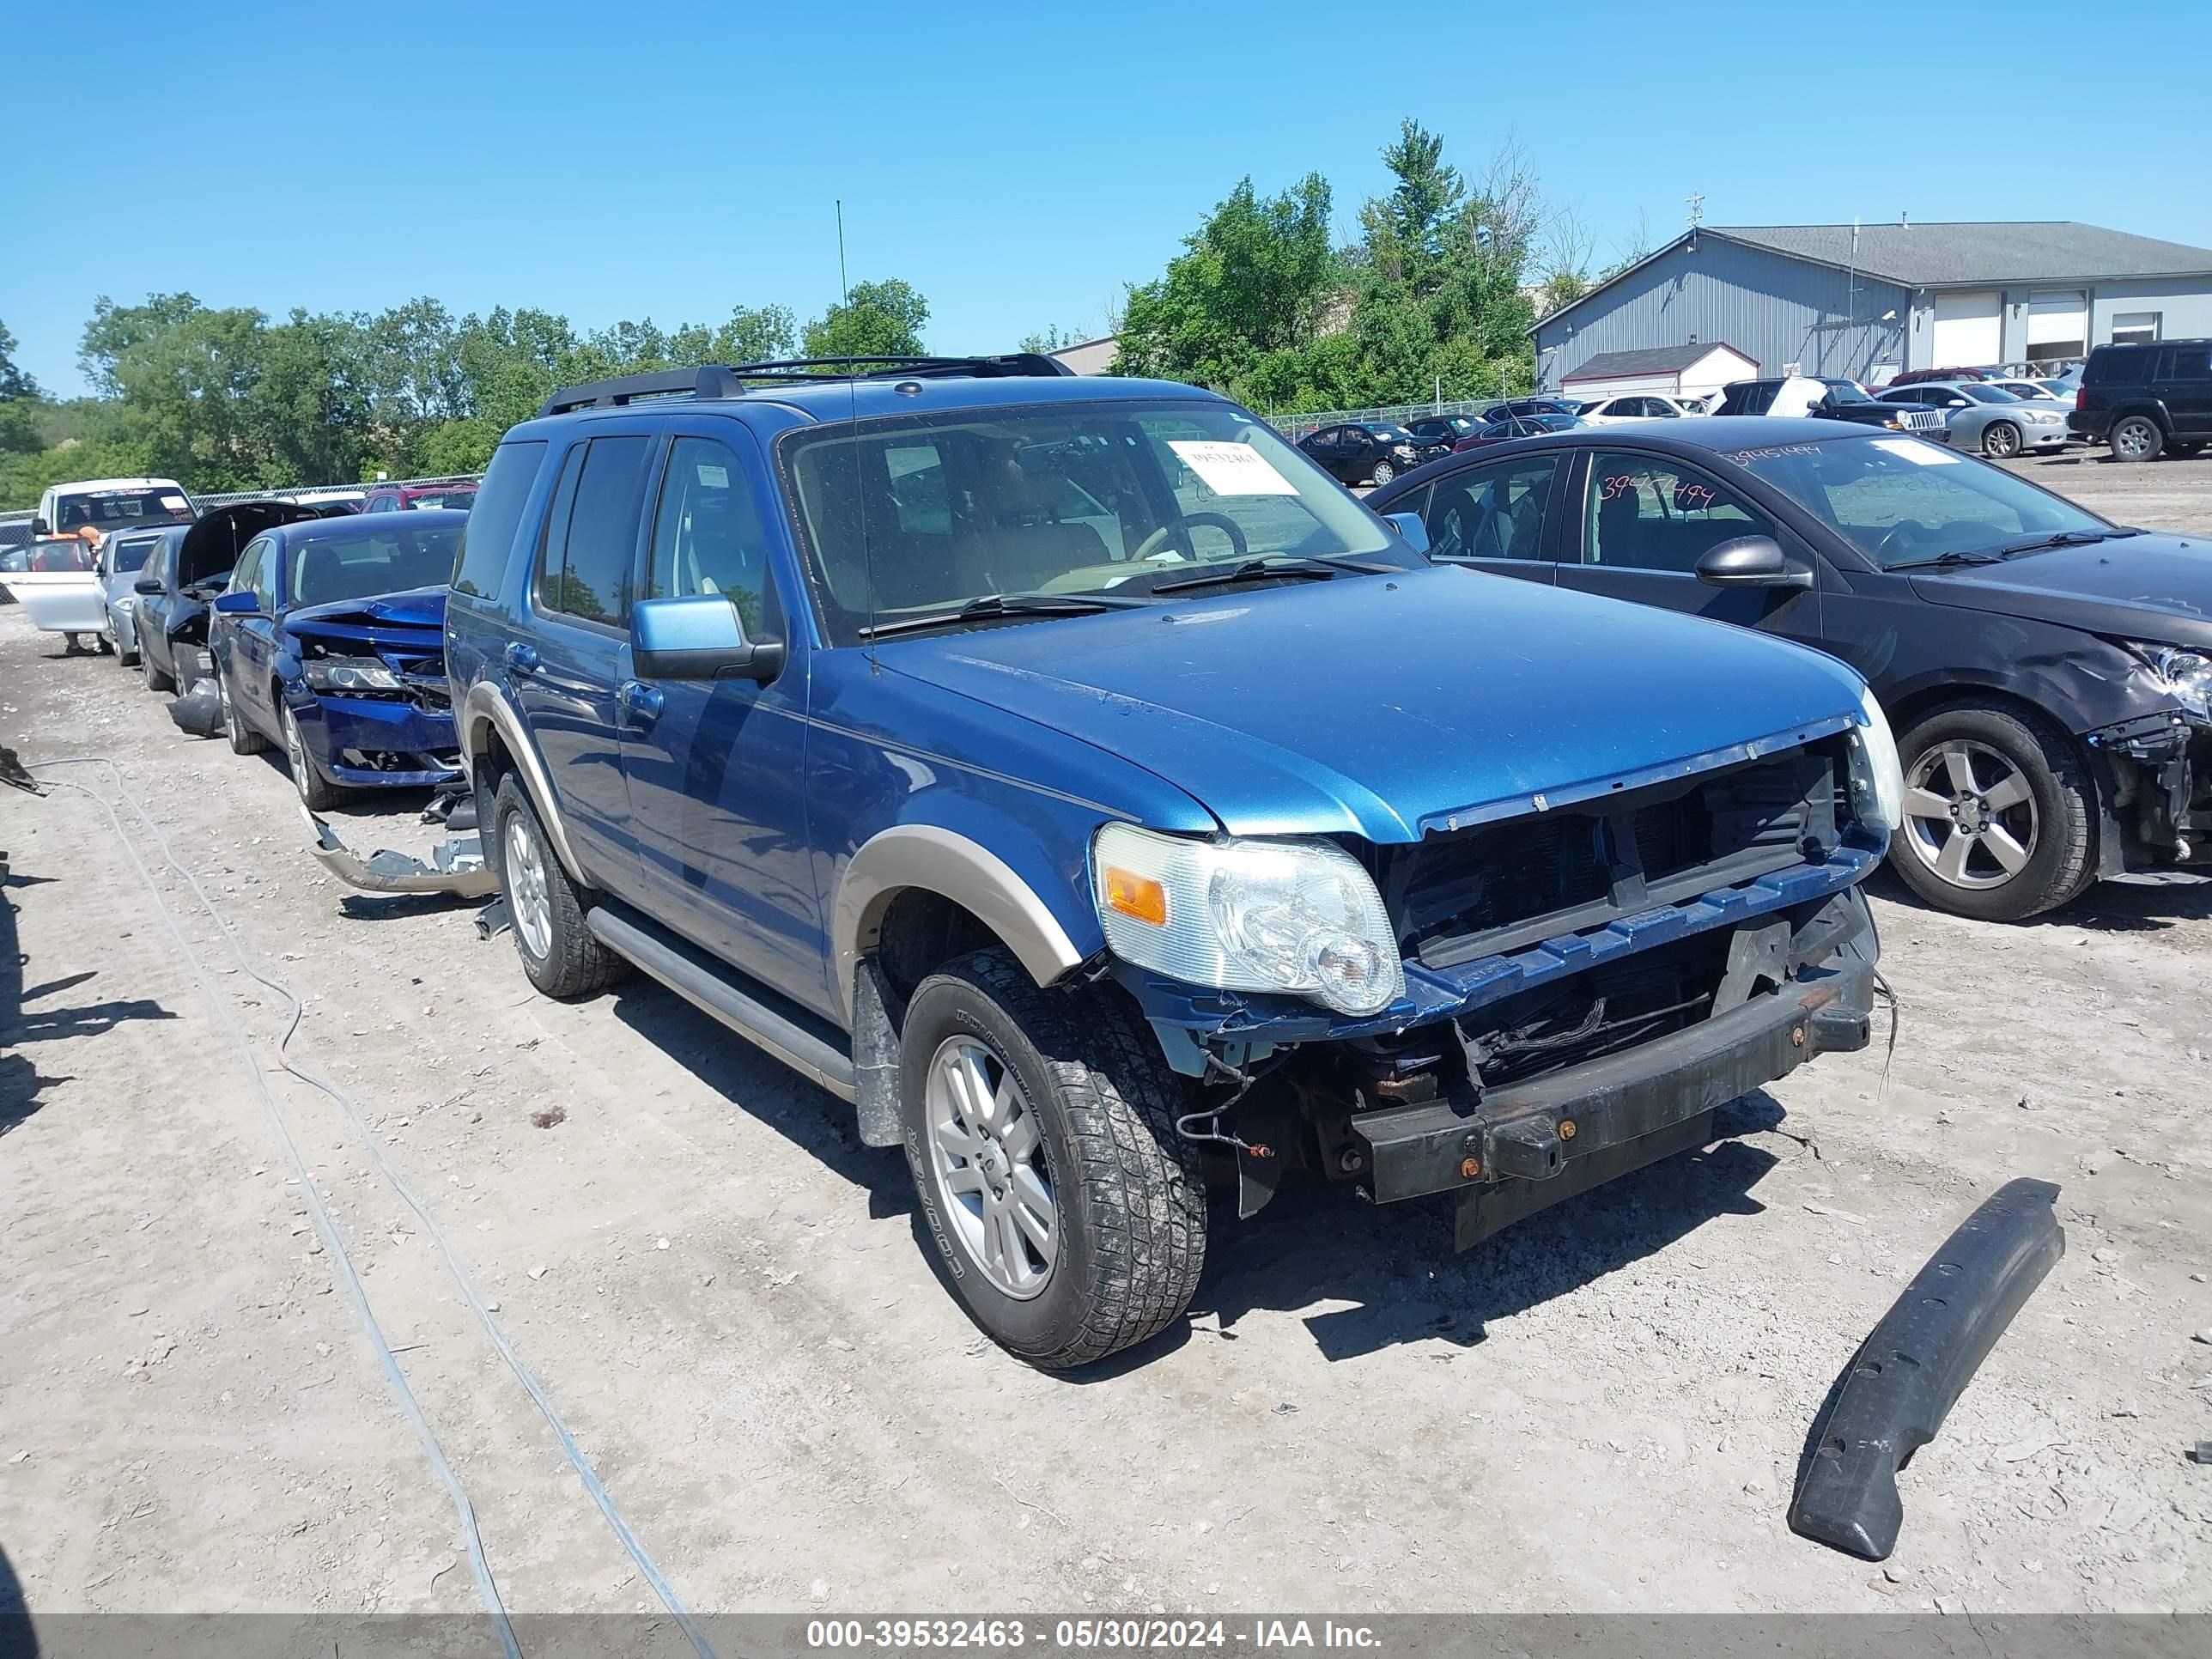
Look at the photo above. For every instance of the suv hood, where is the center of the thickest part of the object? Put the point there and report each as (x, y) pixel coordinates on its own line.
(1387, 707)
(2149, 586)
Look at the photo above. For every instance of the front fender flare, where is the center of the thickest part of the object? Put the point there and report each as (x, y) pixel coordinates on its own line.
(945, 862)
(483, 712)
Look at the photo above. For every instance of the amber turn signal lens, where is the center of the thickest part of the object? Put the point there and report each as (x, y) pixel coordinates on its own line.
(1136, 896)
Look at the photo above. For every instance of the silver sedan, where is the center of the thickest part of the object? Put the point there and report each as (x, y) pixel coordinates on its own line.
(1981, 417)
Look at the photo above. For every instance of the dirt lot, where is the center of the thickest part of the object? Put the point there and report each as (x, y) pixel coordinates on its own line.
(725, 1298)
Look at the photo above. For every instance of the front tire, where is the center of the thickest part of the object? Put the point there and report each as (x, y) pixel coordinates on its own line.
(559, 952)
(244, 740)
(1384, 471)
(317, 792)
(157, 679)
(1999, 813)
(1039, 1125)
(2137, 438)
(2000, 440)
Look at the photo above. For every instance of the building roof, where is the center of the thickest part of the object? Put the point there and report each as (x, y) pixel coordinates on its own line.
(1958, 254)
(1650, 360)
(1942, 255)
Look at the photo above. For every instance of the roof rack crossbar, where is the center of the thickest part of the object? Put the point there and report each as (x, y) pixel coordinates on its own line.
(727, 381)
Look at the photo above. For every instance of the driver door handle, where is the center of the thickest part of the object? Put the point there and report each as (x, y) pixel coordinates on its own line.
(522, 658)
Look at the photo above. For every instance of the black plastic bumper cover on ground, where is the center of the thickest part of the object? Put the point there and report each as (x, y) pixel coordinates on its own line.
(1902, 1382)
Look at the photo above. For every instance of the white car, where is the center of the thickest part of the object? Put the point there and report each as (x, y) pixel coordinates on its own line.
(91, 507)
(1634, 406)
(59, 591)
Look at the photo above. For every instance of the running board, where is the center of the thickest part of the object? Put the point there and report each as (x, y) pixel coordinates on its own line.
(681, 970)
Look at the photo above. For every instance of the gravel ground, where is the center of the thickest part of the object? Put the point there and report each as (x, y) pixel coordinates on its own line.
(726, 1297)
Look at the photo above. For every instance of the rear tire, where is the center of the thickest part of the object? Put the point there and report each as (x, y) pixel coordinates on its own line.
(2137, 438)
(559, 952)
(1087, 1109)
(1985, 784)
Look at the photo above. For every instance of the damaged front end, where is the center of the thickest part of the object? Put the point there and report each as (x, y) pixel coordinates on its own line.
(371, 698)
(1583, 988)
(2154, 783)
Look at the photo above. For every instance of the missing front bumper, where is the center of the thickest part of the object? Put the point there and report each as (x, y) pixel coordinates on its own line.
(1524, 1147)
(456, 866)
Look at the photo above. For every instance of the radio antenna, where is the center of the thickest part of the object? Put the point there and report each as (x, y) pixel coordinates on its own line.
(859, 491)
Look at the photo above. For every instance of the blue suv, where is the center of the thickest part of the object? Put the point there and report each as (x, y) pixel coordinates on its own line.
(1069, 775)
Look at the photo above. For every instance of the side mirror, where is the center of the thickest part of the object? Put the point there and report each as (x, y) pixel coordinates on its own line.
(698, 637)
(1410, 529)
(147, 585)
(1751, 562)
(41, 527)
(240, 603)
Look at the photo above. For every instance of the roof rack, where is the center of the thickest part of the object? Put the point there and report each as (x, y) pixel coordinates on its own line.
(726, 380)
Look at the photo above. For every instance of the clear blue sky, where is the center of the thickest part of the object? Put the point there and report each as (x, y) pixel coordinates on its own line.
(1019, 164)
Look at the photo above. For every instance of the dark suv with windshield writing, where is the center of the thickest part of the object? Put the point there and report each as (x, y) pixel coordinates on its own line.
(1070, 776)
(2048, 672)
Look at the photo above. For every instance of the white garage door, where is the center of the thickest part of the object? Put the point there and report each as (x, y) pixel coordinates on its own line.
(1969, 332)
(2057, 326)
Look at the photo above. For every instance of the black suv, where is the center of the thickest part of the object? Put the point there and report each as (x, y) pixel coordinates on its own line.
(1844, 400)
(2147, 399)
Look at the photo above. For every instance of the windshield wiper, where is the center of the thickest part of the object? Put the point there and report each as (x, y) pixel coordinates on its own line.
(992, 605)
(1946, 559)
(2064, 538)
(1317, 568)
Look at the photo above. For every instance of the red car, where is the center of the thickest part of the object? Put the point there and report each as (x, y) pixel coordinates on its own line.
(401, 498)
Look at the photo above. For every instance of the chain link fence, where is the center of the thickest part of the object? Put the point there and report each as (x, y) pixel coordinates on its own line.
(1295, 426)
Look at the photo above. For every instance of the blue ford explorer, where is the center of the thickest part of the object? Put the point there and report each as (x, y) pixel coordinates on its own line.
(1071, 776)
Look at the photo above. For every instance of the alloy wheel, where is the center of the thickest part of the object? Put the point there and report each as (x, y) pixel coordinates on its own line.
(1969, 814)
(1383, 473)
(2133, 439)
(987, 1160)
(2002, 439)
(527, 899)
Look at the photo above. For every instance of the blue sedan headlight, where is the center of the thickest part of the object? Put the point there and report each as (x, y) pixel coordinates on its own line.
(349, 674)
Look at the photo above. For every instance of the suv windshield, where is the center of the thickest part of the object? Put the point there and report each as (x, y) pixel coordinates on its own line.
(1845, 392)
(327, 569)
(907, 518)
(1902, 500)
(118, 509)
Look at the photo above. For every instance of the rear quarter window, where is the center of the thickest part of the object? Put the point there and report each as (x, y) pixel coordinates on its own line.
(2117, 366)
(488, 539)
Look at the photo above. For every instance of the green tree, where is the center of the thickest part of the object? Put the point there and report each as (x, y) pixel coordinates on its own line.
(876, 320)
(15, 385)
(1257, 277)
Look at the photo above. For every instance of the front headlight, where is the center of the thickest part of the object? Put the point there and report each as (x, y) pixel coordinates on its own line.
(1301, 917)
(2044, 417)
(1877, 778)
(349, 674)
(2184, 672)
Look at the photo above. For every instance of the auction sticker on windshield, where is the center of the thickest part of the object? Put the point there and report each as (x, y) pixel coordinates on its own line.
(1919, 454)
(1232, 469)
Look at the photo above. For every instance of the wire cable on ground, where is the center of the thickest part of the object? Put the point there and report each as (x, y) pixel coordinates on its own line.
(592, 1486)
(325, 1226)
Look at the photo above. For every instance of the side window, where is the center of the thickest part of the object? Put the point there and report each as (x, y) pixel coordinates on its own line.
(264, 578)
(598, 535)
(2192, 363)
(707, 536)
(487, 537)
(1491, 511)
(1646, 514)
(241, 573)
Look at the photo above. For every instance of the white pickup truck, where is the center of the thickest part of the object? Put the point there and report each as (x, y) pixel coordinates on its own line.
(61, 591)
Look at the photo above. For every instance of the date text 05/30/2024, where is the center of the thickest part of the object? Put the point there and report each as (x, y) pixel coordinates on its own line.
(1087, 1634)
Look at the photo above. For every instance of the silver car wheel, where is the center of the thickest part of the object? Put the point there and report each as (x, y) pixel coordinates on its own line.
(2000, 439)
(230, 714)
(988, 1163)
(2132, 438)
(1969, 814)
(527, 900)
(1383, 473)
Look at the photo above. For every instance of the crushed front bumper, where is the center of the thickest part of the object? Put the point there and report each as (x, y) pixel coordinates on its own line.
(368, 743)
(2155, 787)
(1523, 1147)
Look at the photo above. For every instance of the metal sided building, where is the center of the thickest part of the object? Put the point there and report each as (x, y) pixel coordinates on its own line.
(1873, 301)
